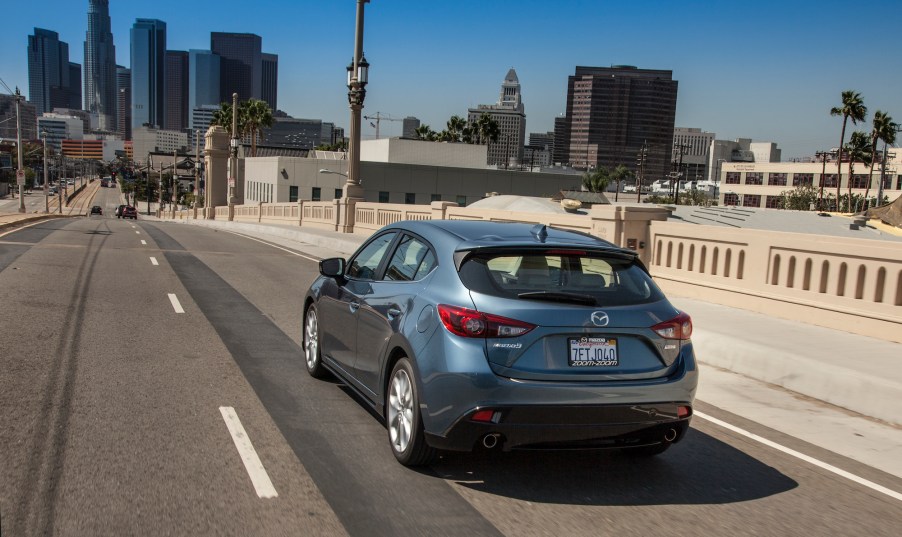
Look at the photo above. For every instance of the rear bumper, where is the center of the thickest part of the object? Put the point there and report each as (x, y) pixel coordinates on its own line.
(569, 427)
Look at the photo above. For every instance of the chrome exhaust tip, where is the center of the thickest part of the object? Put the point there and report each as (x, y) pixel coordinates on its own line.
(670, 435)
(489, 441)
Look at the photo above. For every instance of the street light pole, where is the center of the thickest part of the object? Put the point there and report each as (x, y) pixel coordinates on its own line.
(196, 169)
(20, 171)
(357, 80)
(46, 174)
(175, 177)
(233, 156)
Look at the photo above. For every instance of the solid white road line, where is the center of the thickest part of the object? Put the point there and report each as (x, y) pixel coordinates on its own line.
(176, 305)
(811, 460)
(153, 261)
(143, 241)
(273, 245)
(249, 457)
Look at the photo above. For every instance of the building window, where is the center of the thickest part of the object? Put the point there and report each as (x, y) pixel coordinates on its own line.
(292, 193)
(410, 198)
(751, 200)
(753, 178)
(338, 193)
(859, 180)
(462, 201)
(731, 199)
(383, 196)
(899, 182)
(829, 180)
(435, 197)
(800, 179)
(732, 178)
(316, 194)
(774, 202)
(776, 179)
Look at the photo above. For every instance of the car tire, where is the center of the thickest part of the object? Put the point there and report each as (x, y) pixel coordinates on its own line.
(313, 357)
(403, 419)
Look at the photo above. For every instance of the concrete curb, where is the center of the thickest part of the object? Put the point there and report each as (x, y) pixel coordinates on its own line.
(35, 218)
(806, 375)
(342, 245)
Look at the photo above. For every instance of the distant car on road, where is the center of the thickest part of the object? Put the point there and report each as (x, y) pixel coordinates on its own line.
(130, 212)
(467, 335)
(118, 212)
(97, 209)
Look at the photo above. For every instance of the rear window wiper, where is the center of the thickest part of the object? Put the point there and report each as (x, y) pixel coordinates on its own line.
(557, 296)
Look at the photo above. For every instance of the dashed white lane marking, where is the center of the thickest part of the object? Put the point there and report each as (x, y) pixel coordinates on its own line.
(143, 242)
(153, 261)
(252, 464)
(176, 305)
(274, 246)
(810, 460)
(137, 232)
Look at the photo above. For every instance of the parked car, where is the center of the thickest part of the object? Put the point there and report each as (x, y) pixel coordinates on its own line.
(470, 335)
(130, 212)
(118, 212)
(97, 210)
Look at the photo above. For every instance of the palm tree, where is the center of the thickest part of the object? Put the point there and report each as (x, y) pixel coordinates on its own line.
(620, 174)
(424, 132)
(487, 129)
(223, 118)
(884, 129)
(852, 108)
(257, 114)
(456, 127)
(859, 150)
(597, 180)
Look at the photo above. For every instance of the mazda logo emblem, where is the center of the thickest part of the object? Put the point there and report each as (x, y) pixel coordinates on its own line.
(600, 318)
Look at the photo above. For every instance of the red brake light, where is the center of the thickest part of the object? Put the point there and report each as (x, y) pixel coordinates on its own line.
(471, 323)
(680, 327)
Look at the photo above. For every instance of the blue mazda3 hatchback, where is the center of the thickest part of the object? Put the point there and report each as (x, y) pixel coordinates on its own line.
(472, 334)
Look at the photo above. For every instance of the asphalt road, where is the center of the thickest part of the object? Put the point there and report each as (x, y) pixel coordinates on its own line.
(112, 420)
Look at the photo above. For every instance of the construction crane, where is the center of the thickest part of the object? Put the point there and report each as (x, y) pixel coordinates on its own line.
(379, 117)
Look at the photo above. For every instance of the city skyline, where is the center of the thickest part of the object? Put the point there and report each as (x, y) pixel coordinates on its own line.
(770, 73)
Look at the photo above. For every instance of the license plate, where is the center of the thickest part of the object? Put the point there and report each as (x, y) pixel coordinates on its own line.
(592, 352)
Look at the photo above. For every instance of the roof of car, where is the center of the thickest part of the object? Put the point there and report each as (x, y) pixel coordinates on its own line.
(471, 234)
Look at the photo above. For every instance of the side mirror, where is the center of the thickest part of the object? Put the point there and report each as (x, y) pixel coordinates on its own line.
(333, 267)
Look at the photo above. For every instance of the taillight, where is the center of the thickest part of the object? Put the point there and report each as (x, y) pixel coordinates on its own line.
(471, 323)
(680, 327)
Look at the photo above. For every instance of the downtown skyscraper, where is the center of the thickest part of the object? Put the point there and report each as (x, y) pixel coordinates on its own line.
(612, 112)
(53, 81)
(100, 66)
(148, 65)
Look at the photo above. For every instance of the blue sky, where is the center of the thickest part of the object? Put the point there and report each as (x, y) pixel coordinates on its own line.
(764, 70)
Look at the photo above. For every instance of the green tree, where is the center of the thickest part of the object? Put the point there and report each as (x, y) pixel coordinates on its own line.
(257, 114)
(424, 132)
(223, 118)
(883, 129)
(597, 180)
(859, 150)
(801, 198)
(455, 130)
(618, 175)
(852, 108)
(486, 130)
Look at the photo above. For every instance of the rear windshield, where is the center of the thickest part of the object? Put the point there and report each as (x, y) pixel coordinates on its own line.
(609, 281)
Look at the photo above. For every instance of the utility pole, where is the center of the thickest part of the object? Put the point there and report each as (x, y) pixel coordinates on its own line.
(175, 179)
(196, 169)
(640, 160)
(675, 183)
